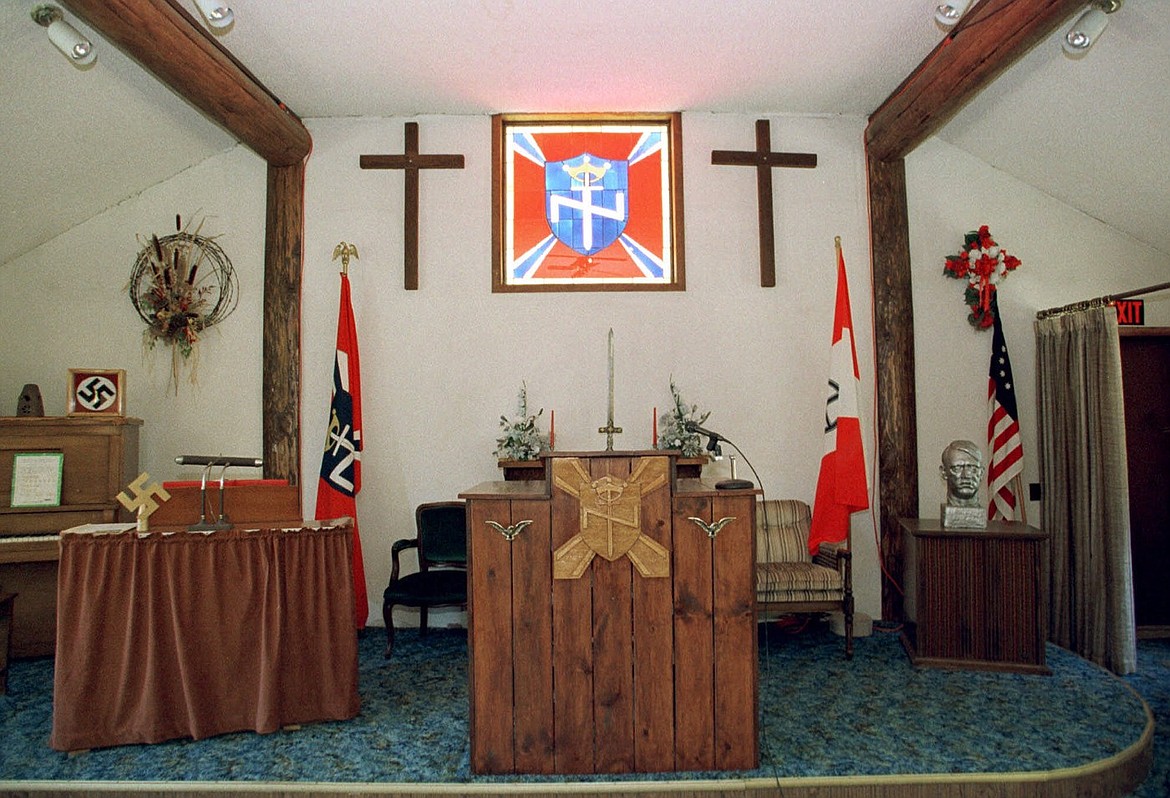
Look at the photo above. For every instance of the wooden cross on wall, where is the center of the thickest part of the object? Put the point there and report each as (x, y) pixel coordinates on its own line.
(764, 160)
(411, 161)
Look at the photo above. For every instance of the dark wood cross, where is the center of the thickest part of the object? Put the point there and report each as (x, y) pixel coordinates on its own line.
(411, 162)
(764, 160)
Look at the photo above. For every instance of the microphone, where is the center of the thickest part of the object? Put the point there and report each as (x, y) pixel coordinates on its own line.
(713, 447)
(715, 436)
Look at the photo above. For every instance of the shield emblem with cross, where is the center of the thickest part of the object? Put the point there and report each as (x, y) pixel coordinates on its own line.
(586, 201)
(610, 518)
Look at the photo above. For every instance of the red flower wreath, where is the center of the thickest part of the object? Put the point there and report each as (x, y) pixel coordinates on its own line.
(983, 265)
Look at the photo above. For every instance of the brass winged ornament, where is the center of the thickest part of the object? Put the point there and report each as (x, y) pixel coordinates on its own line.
(509, 532)
(712, 529)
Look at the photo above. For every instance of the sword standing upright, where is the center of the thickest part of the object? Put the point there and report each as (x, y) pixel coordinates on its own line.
(609, 430)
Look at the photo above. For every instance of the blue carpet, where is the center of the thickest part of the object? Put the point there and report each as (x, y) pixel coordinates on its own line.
(820, 715)
(1152, 681)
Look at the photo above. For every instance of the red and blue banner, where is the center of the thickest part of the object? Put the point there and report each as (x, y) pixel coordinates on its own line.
(341, 460)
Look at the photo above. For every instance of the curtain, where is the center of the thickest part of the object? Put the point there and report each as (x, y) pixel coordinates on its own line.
(1085, 506)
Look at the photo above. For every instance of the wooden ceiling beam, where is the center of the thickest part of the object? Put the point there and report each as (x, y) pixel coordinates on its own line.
(168, 42)
(990, 37)
(171, 44)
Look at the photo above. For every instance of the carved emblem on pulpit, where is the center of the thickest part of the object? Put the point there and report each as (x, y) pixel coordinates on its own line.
(610, 518)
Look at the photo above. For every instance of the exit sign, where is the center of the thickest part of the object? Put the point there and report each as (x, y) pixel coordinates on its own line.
(1130, 311)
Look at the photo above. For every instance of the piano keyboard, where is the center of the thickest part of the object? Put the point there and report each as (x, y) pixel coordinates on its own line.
(29, 548)
(28, 539)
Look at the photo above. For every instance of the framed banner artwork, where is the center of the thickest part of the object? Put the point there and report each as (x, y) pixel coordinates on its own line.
(587, 202)
(97, 392)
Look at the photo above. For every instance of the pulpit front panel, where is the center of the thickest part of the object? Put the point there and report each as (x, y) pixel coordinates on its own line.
(601, 641)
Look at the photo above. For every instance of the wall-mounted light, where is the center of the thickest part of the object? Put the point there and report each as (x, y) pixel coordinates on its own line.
(217, 13)
(1089, 26)
(76, 47)
(950, 13)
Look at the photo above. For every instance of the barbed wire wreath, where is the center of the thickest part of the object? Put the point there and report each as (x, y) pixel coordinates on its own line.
(984, 265)
(180, 285)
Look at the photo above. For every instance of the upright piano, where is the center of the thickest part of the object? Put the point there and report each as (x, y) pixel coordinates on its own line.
(100, 459)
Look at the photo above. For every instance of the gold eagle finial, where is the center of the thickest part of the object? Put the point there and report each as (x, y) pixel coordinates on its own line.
(345, 252)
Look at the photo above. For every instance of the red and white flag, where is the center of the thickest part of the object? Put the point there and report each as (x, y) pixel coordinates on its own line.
(341, 461)
(1003, 429)
(842, 487)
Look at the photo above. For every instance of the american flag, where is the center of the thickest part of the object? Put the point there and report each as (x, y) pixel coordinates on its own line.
(1003, 429)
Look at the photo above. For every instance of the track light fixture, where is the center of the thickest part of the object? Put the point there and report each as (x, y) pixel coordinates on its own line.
(78, 49)
(217, 13)
(1089, 26)
(949, 13)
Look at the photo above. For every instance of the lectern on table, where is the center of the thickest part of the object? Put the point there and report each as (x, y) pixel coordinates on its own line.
(612, 620)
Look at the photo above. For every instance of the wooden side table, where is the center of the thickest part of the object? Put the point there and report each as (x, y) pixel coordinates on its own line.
(973, 596)
(6, 602)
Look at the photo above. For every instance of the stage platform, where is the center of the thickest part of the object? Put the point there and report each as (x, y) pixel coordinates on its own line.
(873, 727)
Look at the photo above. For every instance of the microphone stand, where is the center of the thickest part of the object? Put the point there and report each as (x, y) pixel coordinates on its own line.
(208, 462)
(713, 439)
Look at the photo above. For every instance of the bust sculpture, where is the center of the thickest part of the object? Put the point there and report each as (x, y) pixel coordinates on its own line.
(962, 469)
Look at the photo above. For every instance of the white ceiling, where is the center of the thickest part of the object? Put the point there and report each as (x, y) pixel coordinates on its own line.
(1093, 132)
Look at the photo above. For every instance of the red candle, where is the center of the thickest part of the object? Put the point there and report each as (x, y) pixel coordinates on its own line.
(654, 421)
(552, 429)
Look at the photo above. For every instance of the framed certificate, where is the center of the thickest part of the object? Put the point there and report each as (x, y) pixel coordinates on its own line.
(36, 479)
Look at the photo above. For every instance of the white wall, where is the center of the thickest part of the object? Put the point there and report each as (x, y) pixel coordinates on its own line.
(65, 305)
(441, 364)
(1066, 257)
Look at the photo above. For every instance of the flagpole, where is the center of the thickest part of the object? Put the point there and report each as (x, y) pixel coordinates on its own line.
(1018, 482)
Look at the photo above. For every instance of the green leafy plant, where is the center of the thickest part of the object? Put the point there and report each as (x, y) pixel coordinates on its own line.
(520, 439)
(673, 432)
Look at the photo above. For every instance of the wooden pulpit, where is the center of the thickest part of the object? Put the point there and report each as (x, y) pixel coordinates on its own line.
(612, 620)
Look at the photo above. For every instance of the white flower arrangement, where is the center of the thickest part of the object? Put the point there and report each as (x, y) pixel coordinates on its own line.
(673, 426)
(521, 440)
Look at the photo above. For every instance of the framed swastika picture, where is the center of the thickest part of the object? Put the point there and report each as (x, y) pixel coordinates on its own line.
(99, 392)
(587, 202)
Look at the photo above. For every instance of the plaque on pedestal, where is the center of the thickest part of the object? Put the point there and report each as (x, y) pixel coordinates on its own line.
(964, 517)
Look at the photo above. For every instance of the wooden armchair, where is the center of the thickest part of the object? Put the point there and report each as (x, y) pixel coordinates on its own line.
(788, 579)
(441, 580)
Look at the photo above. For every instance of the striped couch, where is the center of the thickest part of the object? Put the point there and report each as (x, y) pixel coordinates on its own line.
(788, 578)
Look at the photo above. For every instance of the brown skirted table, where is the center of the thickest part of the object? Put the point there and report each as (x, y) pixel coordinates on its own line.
(973, 596)
(612, 619)
(182, 634)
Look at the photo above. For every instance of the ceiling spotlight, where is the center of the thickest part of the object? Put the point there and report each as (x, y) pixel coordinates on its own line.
(1086, 30)
(950, 13)
(76, 47)
(216, 12)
